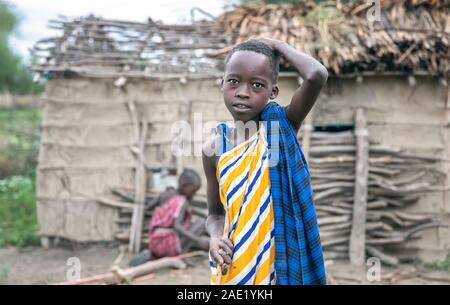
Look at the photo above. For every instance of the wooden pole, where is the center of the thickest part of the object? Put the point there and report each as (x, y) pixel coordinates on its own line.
(140, 135)
(446, 165)
(141, 187)
(134, 120)
(358, 232)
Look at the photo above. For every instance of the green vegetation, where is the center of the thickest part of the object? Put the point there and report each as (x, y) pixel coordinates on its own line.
(19, 142)
(14, 76)
(18, 222)
(439, 264)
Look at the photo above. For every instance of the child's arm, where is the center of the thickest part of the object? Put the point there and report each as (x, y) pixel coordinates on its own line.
(314, 76)
(178, 226)
(221, 249)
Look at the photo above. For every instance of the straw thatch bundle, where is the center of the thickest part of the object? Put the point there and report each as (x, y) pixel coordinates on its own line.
(411, 37)
(407, 37)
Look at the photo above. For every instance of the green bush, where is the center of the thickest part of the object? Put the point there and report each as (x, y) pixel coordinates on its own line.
(19, 141)
(18, 219)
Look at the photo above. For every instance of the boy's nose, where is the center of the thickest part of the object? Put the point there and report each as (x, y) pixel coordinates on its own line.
(242, 92)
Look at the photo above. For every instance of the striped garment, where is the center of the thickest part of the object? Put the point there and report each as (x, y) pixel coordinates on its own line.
(244, 183)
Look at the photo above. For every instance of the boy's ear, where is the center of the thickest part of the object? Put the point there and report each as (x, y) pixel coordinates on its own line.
(274, 93)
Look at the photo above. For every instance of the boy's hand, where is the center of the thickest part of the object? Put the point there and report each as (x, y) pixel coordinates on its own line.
(221, 251)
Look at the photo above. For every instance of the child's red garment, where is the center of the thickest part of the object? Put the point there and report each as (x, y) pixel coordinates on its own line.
(164, 240)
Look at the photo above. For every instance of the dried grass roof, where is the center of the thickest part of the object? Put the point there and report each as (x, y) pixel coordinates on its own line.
(412, 36)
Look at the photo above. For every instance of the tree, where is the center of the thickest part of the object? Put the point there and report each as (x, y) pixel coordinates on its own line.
(14, 76)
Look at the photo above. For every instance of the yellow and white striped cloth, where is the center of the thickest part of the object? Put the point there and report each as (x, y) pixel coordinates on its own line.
(244, 187)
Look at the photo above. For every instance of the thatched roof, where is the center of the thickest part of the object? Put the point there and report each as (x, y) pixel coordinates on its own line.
(97, 47)
(412, 36)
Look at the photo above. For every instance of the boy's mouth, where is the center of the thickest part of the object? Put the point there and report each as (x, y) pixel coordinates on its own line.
(241, 106)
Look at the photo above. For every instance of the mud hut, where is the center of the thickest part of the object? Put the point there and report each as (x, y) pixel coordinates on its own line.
(377, 141)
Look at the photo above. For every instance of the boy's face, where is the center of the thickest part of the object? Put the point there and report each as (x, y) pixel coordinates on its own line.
(247, 85)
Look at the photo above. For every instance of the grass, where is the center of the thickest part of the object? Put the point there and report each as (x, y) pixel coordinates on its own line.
(4, 272)
(18, 219)
(439, 264)
(19, 143)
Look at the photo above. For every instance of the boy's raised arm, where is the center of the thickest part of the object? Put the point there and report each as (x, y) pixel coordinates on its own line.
(314, 76)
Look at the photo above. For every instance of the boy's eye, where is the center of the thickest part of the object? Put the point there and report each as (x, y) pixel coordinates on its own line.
(232, 81)
(258, 85)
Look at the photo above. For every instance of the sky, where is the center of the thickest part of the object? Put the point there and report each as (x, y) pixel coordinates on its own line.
(36, 14)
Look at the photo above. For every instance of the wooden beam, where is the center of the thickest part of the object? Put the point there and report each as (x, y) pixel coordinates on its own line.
(358, 233)
(140, 135)
(141, 187)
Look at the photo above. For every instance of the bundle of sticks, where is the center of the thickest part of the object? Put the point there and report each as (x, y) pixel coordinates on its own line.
(396, 181)
(93, 46)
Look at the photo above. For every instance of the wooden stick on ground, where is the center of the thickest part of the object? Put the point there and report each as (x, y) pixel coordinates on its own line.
(118, 275)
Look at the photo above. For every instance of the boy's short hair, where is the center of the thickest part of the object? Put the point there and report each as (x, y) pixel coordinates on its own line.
(189, 177)
(256, 46)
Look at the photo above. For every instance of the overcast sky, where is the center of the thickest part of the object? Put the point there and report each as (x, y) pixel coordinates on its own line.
(36, 13)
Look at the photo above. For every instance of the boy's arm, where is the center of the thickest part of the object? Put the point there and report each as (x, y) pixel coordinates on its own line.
(221, 249)
(314, 76)
(216, 212)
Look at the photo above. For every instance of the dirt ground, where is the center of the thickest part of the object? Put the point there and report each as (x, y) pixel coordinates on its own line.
(39, 266)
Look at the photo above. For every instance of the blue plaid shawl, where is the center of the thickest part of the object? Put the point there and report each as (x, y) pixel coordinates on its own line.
(298, 258)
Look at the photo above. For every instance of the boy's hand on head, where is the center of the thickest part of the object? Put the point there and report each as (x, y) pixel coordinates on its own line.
(221, 251)
(272, 43)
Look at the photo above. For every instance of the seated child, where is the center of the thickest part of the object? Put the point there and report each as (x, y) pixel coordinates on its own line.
(171, 229)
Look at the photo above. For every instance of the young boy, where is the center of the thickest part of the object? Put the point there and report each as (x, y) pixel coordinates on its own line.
(171, 230)
(258, 184)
